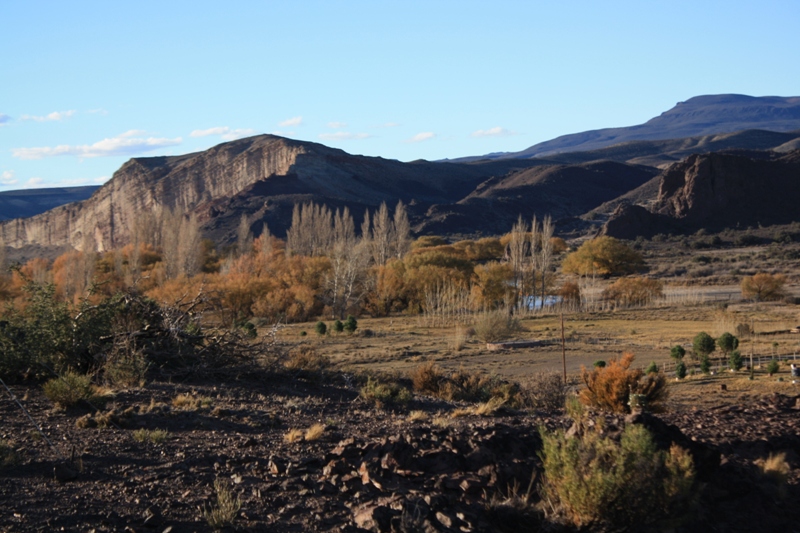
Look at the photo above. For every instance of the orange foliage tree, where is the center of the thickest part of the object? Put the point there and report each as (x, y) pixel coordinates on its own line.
(763, 287)
(609, 388)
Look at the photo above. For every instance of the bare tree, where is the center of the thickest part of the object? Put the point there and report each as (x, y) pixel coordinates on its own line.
(266, 241)
(533, 262)
(181, 244)
(244, 237)
(517, 248)
(402, 231)
(349, 260)
(546, 252)
(311, 232)
(382, 235)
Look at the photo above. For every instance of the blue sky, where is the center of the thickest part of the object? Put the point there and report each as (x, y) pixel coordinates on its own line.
(84, 86)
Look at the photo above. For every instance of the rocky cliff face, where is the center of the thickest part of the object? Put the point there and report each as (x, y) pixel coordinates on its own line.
(715, 191)
(106, 220)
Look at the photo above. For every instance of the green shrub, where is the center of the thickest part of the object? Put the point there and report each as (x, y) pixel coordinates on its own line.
(385, 394)
(70, 389)
(350, 324)
(703, 344)
(680, 370)
(599, 364)
(597, 482)
(652, 368)
(773, 367)
(735, 360)
(320, 328)
(677, 352)
(303, 333)
(705, 364)
(338, 326)
(727, 343)
(8, 455)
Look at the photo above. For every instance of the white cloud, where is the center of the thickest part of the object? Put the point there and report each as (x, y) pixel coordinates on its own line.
(127, 144)
(4, 119)
(497, 131)
(294, 121)
(343, 136)
(98, 111)
(7, 178)
(225, 132)
(337, 125)
(35, 182)
(54, 116)
(419, 137)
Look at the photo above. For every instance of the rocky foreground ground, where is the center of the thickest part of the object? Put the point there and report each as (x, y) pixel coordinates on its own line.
(364, 469)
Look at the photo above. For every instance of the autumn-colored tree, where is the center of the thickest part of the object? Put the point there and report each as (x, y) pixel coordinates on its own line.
(570, 292)
(609, 388)
(763, 287)
(604, 256)
(244, 237)
(387, 289)
(491, 288)
(485, 249)
(633, 291)
(428, 241)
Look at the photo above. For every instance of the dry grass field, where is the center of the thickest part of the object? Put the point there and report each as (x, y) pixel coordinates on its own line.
(398, 344)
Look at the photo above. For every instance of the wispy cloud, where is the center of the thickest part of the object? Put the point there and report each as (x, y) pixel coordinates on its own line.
(35, 182)
(52, 117)
(497, 131)
(4, 119)
(343, 136)
(337, 125)
(225, 132)
(7, 178)
(289, 122)
(98, 111)
(419, 137)
(127, 144)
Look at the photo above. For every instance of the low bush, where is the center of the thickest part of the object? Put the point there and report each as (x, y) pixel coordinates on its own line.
(320, 328)
(680, 370)
(735, 360)
(156, 436)
(8, 455)
(495, 326)
(226, 509)
(633, 291)
(609, 388)
(544, 391)
(306, 362)
(350, 324)
(385, 394)
(464, 386)
(773, 367)
(71, 388)
(596, 482)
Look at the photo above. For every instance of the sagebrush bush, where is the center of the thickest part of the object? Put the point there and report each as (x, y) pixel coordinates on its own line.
(595, 481)
(69, 389)
(609, 388)
(544, 391)
(495, 326)
(307, 362)
(427, 378)
(385, 394)
(8, 455)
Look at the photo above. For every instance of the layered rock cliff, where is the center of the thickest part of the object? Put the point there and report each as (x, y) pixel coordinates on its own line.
(718, 190)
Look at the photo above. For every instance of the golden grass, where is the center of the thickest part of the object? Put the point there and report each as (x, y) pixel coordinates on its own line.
(315, 432)
(293, 435)
(418, 416)
(190, 402)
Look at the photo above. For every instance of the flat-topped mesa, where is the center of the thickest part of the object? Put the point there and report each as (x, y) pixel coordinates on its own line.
(106, 220)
